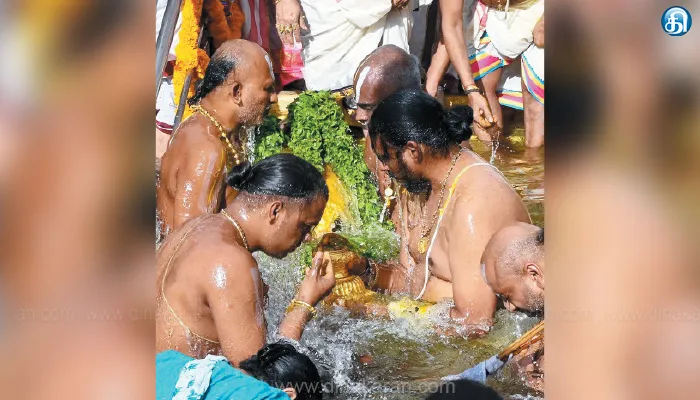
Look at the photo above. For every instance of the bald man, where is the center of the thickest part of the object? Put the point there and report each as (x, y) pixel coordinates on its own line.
(384, 71)
(237, 89)
(513, 266)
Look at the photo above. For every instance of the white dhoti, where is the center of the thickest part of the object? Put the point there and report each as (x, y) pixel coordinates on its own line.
(344, 32)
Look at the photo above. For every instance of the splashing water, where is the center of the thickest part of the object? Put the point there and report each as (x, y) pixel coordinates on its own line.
(250, 134)
(380, 358)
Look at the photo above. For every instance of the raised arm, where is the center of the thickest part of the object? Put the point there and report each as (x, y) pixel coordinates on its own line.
(199, 184)
(319, 281)
(453, 37)
(469, 232)
(235, 297)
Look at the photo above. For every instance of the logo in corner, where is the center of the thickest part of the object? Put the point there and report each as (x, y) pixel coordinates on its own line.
(676, 21)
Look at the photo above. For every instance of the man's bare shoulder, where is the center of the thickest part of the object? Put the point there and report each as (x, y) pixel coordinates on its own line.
(194, 136)
(484, 193)
(225, 258)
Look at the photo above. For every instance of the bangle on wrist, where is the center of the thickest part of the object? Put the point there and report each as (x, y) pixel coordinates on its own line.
(298, 303)
(471, 89)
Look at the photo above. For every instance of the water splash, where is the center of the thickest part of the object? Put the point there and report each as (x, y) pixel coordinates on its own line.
(376, 358)
(494, 147)
(249, 142)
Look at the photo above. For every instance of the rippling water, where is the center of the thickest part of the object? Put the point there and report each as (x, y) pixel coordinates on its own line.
(398, 359)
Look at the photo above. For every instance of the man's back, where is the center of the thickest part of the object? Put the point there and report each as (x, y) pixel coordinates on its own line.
(480, 203)
(191, 176)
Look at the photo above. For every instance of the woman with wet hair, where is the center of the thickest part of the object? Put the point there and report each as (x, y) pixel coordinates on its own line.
(280, 365)
(210, 291)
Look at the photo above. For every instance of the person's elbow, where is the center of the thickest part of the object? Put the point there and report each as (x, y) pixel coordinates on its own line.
(481, 315)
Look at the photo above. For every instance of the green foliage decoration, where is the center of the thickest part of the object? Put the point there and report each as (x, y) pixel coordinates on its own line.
(271, 139)
(320, 135)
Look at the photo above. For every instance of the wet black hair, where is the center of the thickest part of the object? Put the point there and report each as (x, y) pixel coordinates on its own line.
(219, 68)
(284, 175)
(280, 365)
(464, 389)
(414, 115)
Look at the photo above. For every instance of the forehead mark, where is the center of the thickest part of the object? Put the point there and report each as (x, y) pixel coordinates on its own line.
(269, 64)
(360, 80)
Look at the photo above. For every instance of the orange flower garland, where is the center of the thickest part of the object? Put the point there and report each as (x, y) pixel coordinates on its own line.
(236, 19)
(218, 25)
(187, 57)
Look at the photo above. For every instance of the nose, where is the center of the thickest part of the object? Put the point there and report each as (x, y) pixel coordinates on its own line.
(273, 98)
(362, 117)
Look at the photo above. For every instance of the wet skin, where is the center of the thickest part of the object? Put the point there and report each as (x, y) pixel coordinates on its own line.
(195, 164)
(483, 202)
(213, 283)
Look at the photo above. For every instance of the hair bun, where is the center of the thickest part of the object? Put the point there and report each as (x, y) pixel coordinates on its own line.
(239, 175)
(459, 121)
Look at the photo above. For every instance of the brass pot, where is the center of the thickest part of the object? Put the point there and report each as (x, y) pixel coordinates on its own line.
(347, 287)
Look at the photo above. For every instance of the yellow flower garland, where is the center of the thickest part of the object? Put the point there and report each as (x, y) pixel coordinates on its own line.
(236, 19)
(218, 25)
(188, 55)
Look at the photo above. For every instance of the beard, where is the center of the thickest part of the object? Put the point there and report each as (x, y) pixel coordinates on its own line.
(535, 304)
(412, 183)
(253, 114)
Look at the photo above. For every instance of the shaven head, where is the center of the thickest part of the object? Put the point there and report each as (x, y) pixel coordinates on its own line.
(384, 71)
(513, 266)
(240, 74)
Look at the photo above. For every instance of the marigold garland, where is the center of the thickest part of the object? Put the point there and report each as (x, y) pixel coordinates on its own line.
(188, 55)
(217, 24)
(236, 19)
(186, 52)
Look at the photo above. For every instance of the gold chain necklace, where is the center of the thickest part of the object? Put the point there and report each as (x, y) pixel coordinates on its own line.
(238, 228)
(426, 229)
(222, 132)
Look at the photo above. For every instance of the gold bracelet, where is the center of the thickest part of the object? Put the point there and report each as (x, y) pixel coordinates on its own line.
(277, 2)
(295, 303)
(471, 89)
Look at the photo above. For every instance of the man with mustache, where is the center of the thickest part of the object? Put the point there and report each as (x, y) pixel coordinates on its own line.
(237, 88)
(513, 267)
(468, 200)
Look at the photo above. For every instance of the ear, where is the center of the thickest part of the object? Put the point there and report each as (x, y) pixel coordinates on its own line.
(274, 211)
(533, 272)
(236, 92)
(291, 392)
(413, 151)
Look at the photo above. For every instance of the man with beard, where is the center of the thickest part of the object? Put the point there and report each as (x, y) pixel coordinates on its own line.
(513, 266)
(237, 88)
(468, 200)
(383, 72)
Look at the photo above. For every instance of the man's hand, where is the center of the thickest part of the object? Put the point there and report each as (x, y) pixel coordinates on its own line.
(399, 4)
(290, 20)
(538, 33)
(482, 111)
(319, 281)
